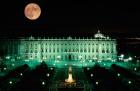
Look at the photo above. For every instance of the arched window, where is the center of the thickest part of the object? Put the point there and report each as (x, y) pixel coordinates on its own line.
(97, 50)
(92, 49)
(103, 51)
(57, 49)
(88, 49)
(35, 51)
(81, 50)
(85, 50)
(107, 51)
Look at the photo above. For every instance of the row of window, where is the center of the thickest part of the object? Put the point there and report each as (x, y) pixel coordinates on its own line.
(36, 45)
(71, 50)
(72, 57)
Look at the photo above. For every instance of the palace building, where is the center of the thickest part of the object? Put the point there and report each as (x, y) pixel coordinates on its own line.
(100, 47)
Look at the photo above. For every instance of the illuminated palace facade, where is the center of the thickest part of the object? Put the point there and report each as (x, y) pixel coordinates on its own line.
(98, 48)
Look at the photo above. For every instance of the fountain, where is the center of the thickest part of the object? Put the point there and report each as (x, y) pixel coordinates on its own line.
(70, 84)
(70, 79)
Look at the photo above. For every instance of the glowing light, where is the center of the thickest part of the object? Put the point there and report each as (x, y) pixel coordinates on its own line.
(5, 68)
(65, 64)
(59, 57)
(122, 55)
(96, 83)
(40, 61)
(43, 83)
(70, 79)
(21, 74)
(91, 75)
(135, 69)
(88, 68)
(26, 60)
(51, 68)
(90, 60)
(130, 58)
(10, 82)
(118, 74)
(80, 57)
(48, 74)
(13, 64)
(54, 64)
(129, 82)
(7, 57)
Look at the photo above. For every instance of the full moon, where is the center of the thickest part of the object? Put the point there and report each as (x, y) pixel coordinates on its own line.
(32, 11)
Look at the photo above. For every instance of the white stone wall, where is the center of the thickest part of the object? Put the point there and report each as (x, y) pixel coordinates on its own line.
(68, 49)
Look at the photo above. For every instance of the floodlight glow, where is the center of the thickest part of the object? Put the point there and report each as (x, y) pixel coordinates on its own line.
(80, 57)
(7, 57)
(54, 64)
(90, 60)
(59, 56)
(26, 60)
(40, 61)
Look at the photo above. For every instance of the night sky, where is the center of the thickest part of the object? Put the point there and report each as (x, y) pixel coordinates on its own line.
(70, 17)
